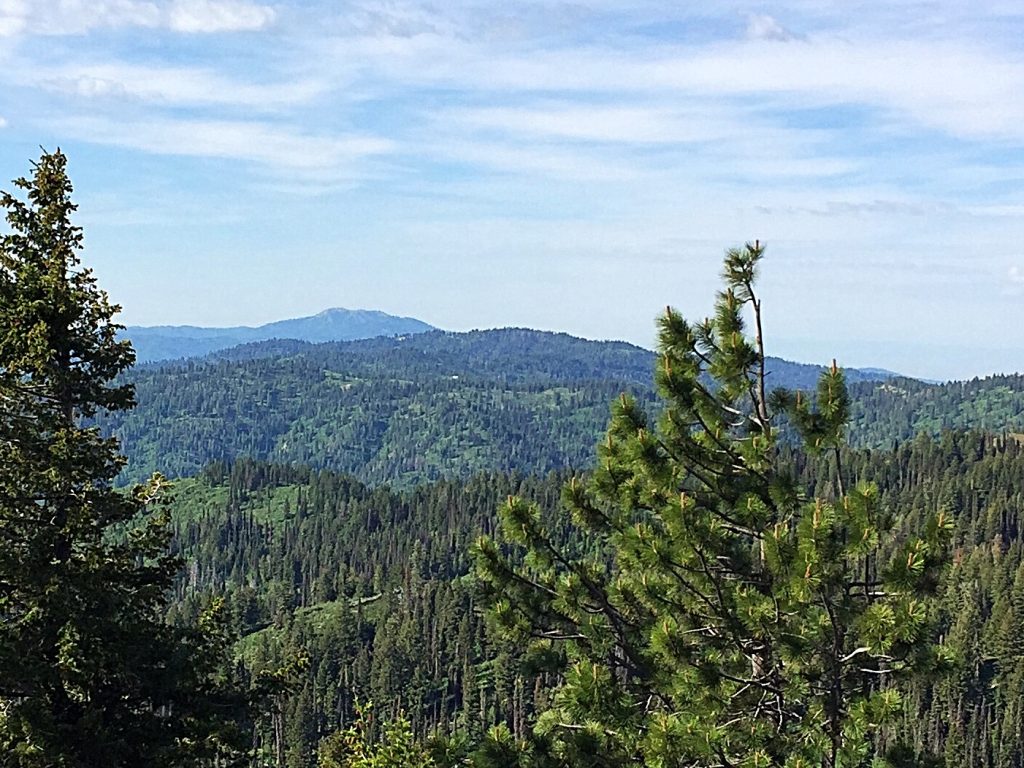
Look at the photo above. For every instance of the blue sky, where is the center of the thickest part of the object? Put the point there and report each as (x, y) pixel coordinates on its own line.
(572, 166)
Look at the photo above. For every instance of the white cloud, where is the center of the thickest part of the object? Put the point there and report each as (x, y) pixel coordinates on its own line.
(13, 16)
(605, 142)
(277, 147)
(218, 16)
(1013, 283)
(633, 120)
(961, 88)
(616, 123)
(170, 85)
(867, 208)
(763, 27)
(61, 17)
(3, 122)
(75, 17)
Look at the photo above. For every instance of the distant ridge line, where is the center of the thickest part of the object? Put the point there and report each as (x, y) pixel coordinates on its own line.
(172, 342)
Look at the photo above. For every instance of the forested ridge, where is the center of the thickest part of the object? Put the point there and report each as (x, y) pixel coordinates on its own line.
(433, 405)
(896, 410)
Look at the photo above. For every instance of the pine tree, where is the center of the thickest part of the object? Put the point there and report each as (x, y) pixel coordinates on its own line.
(704, 610)
(90, 673)
(394, 747)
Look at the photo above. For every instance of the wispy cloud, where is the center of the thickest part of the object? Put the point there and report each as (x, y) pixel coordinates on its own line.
(206, 16)
(867, 209)
(962, 89)
(13, 16)
(274, 146)
(590, 123)
(172, 86)
(76, 17)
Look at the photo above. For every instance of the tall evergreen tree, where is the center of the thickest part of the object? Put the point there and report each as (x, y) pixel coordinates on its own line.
(705, 611)
(90, 674)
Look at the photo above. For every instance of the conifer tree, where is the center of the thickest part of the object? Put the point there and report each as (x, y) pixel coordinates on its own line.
(90, 673)
(394, 747)
(705, 611)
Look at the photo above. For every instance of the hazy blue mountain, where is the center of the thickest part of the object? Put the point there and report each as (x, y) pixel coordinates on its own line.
(171, 342)
(785, 373)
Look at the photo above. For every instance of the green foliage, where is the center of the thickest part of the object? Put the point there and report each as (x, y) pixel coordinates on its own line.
(90, 674)
(719, 616)
(355, 747)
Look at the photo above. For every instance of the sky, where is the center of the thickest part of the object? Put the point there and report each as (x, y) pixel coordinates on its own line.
(571, 166)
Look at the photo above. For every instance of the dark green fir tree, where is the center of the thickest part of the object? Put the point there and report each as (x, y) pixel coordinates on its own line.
(703, 609)
(90, 673)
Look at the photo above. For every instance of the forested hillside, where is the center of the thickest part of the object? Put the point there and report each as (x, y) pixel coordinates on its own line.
(386, 410)
(896, 410)
(436, 405)
(371, 584)
(398, 411)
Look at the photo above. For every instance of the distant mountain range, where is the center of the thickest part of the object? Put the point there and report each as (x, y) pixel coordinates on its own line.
(172, 342)
(288, 337)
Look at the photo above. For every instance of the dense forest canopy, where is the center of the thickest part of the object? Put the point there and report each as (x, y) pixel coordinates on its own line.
(372, 584)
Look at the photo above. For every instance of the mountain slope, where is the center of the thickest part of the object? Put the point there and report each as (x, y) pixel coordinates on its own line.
(172, 342)
(519, 354)
(898, 409)
(392, 410)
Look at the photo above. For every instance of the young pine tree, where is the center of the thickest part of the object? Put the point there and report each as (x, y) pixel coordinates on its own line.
(705, 612)
(90, 674)
(394, 747)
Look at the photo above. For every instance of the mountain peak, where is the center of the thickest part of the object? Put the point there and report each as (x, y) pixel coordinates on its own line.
(333, 324)
(344, 311)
